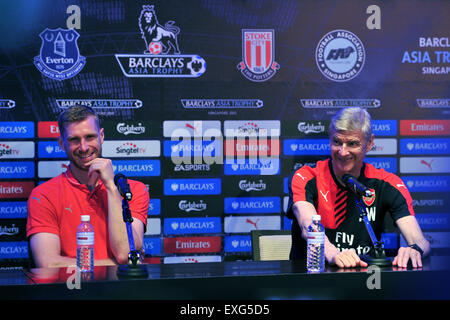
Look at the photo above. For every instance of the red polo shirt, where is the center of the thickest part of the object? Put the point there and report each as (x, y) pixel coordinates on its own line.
(57, 205)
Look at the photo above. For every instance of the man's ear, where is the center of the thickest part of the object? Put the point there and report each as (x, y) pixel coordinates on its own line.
(102, 135)
(370, 143)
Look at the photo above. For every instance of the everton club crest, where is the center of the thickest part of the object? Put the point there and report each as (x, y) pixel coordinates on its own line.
(258, 55)
(59, 58)
(369, 200)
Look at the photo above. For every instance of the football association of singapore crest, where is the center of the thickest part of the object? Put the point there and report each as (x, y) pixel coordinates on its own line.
(59, 57)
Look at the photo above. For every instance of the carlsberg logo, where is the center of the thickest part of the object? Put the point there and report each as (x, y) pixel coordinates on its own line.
(252, 186)
(9, 231)
(192, 206)
(130, 129)
(310, 127)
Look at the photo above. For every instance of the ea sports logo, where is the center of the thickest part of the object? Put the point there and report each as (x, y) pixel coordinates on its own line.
(340, 55)
(155, 47)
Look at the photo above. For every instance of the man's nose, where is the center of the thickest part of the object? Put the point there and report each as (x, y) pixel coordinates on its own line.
(343, 149)
(84, 145)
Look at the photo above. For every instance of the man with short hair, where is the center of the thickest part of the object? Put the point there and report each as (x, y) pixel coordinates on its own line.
(86, 188)
(320, 190)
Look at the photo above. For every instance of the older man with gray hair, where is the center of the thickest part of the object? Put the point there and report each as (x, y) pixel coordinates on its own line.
(320, 189)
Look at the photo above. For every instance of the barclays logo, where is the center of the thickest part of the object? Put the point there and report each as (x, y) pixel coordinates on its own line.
(250, 166)
(138, 168)
(425, 146)
(192, 186)
(433, 103)
(16, 130)
(339, 103)
(221, 103)
(101, 103)
(154, 207)
(434, 221)
(293, 147)
(50, 149)
(161, 56)
(192, 148)
(427, 183)
(192, 225)
(152, 246)
(14, 250)
(384, 127)
(238, 244)
(389, 240)
(388, 164)
(252, 205)
(17, 170)
(13, 210)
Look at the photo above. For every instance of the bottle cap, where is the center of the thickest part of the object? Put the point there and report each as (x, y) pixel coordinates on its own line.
(85, 218)
(316, 217)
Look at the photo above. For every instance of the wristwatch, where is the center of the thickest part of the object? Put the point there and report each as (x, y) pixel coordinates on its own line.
(416, 247)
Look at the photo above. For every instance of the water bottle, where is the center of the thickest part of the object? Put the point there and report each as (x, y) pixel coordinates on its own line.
(85, 245)
(315, 258)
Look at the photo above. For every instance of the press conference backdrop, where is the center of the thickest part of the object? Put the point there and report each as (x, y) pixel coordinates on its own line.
(212, 104)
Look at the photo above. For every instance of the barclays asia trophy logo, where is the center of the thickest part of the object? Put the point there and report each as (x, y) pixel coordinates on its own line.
(59, 58)
(340, 55)
(258, 55)
(161, 56)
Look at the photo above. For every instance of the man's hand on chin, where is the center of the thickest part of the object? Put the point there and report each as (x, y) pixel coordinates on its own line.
(101, 168)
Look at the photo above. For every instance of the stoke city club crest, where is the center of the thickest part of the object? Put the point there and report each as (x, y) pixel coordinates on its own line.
(258, 55)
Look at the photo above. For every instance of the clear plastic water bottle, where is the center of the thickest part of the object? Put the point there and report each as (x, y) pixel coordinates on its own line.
(85, 245)
(315, 258)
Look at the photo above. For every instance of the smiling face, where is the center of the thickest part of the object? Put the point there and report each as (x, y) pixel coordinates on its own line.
(348, 149)
(82, 141)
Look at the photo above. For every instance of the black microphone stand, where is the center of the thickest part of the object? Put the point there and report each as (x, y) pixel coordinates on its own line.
(376, 255)
(134, 268)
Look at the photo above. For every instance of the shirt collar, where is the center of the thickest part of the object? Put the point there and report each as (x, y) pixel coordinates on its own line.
(74, 182)
(330, 166)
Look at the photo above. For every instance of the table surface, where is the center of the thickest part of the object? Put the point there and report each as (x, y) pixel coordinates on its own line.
(232, 280)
